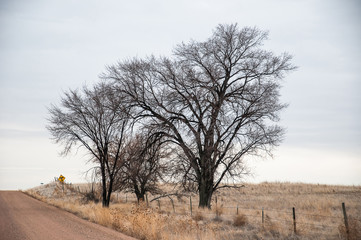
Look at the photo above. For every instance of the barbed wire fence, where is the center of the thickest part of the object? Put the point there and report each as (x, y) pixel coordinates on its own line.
(291, 219)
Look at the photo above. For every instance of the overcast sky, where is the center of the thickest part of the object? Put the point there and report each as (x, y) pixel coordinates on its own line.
(47, 47)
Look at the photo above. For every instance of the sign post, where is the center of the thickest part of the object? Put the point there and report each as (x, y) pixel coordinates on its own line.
(62, 179)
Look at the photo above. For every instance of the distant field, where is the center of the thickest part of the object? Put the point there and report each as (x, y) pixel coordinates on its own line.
(235, 214)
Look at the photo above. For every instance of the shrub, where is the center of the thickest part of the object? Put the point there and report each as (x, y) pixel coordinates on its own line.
(198, 216)
(240, 220)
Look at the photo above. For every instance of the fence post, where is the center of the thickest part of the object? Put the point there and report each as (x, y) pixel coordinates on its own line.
(190, 203)
(126, 198)
(237, 209)
(159, 204)
(146, 199)
(294, 219)
(345, 219)
(216, 207)
(262, 217)
(172, 204)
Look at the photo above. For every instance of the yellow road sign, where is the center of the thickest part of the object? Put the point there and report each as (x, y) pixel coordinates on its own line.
(61, 178)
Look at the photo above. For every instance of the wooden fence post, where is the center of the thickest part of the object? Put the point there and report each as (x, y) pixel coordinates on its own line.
(345, 219)
(190, 203)
(294, 219)
(216, 207)
(237, 209)
(172, 204)
(159, 204)
(146, 199)
(262, 217)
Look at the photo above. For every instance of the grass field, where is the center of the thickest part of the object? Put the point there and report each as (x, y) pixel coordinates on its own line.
(235, 214)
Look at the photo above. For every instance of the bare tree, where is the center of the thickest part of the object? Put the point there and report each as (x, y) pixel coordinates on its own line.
(217, 100)
(96, 120)
(144, 165)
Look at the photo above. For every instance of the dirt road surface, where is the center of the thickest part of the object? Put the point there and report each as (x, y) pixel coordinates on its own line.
(25, 218)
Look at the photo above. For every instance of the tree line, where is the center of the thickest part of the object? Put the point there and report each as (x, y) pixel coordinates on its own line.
(191, 118)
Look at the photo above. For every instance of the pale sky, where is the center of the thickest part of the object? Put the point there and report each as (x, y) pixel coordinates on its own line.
(47, 47)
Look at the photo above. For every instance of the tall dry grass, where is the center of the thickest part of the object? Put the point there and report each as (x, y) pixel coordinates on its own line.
(318, 212)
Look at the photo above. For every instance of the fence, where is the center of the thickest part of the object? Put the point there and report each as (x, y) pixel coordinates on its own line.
(291, 219)
(294, 219)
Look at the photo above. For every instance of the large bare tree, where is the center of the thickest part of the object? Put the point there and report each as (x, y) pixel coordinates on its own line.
(96, 120)
(217, 100)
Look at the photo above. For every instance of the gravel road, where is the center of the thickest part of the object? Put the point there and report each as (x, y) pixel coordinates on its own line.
(25, 218)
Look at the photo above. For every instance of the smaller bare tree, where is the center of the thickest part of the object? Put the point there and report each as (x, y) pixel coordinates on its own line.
(143, 164)
(96, 120)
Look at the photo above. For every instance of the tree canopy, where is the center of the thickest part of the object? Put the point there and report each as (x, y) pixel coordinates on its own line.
(217, 101)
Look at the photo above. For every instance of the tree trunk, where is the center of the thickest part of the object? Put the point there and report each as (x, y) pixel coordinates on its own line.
(140, 197)
(109, 194)
(139, 193)
(105, 202)
(205, 193)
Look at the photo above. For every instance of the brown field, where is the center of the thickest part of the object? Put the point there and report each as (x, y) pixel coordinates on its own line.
(235, 214)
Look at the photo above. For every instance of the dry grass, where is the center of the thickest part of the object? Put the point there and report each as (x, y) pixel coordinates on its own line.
(354, 230)
(318, 213)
